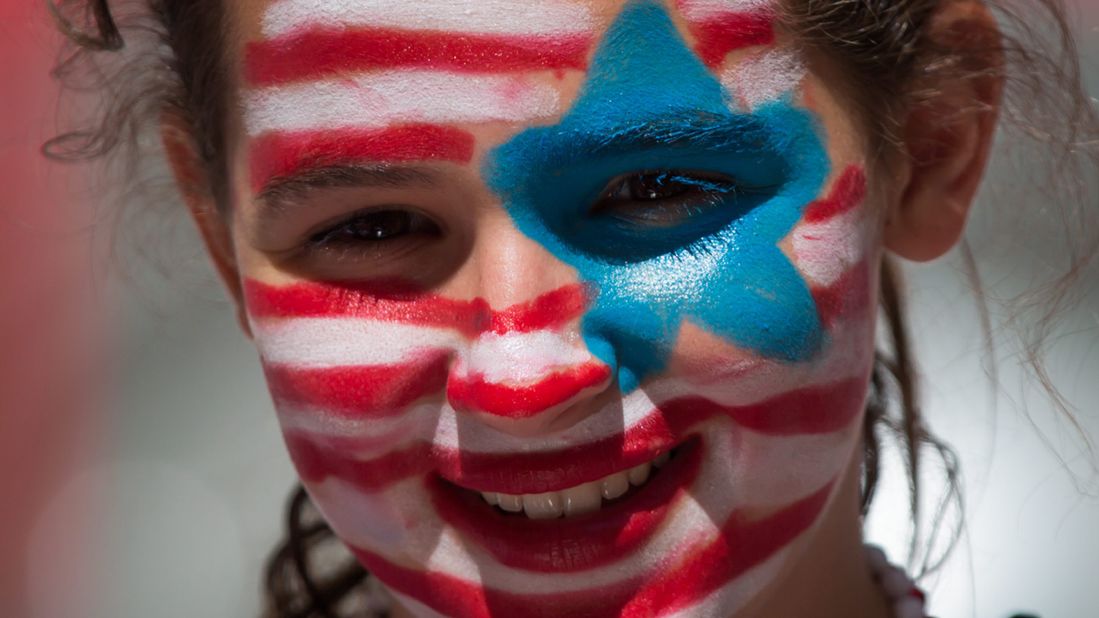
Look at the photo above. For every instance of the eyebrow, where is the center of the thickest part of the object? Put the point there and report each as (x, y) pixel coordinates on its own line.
(692, 127)
(677, 128)
(283, 195)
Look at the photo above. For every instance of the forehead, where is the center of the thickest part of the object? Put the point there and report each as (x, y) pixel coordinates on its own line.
(262, 18)
(443, 80)
(484, 35)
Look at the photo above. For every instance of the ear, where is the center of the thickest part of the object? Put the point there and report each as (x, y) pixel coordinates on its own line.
(213, 224)
(948, 138)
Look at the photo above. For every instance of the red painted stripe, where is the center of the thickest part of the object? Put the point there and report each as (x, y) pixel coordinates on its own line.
(402, 301)
(373, 391)
(576, 543)
(815, 410)
(517, 402)
(719, 36)
(743, 544)
(378, 391)
(316, 462)
(848, 192)
(807, 411)
(548, 311)
(849, 297)
(326, 50)
(277, 155)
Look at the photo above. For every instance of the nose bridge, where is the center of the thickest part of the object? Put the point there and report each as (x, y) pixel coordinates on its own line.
(511, 269)
(528, 368)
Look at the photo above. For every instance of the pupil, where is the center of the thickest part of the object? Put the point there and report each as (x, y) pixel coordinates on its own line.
(383, 225)
(655, 187)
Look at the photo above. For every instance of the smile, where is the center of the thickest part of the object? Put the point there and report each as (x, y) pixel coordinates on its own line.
(580, 499)
(574, 528)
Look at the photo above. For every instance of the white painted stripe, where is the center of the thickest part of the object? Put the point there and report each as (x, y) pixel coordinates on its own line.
(448, 429)
(392, 97)
(704, 10)
(515, 17)
(376, 521)
(764, 77)
(519, 358)
(315, 343)
(332, 342)
(385, 434)
(825, 250)
(750, 476)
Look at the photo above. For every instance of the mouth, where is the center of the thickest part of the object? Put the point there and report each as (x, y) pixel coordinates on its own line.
(573, 528)
(580, 499)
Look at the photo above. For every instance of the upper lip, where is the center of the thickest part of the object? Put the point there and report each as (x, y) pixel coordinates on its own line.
(535, 473)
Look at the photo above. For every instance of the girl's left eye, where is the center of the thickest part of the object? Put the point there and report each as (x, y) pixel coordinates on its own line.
(662, 198)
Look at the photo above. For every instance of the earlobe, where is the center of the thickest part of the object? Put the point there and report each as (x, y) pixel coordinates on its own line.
(192, 181)
(947, 139)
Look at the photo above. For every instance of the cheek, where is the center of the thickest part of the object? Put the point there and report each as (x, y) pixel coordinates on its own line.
(361, 519)
(833, 250)
(835, 233)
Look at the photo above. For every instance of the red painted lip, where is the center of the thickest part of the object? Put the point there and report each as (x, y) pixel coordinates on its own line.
(570, 544)
(743, 543)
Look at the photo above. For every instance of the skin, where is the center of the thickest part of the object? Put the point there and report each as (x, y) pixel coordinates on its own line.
(489, 247)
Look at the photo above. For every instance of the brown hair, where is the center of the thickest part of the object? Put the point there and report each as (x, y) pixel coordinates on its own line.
(882, 47)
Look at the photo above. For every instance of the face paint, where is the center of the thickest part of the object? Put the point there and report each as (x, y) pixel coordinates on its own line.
(417, 75)
(724, 26)
(495, 17)
(383, 116)
(737, 338)
(627, 119)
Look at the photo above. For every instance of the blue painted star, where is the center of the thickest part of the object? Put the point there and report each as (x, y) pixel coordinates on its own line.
(650, 104)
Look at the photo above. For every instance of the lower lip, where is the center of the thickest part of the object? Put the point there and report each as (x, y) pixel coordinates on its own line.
(575, 543)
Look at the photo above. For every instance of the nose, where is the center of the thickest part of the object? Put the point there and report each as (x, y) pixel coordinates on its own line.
(526, 370)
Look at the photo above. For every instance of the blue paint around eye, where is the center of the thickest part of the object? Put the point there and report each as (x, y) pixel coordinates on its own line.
(650, 104)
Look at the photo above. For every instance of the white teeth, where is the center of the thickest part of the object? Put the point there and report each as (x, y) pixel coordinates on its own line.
(543, 506)
(615, 485)
(640, 474)
(511, 504)
(583, 499)
(577, 500)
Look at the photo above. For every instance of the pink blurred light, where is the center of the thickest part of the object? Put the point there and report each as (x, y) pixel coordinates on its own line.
(46, 318)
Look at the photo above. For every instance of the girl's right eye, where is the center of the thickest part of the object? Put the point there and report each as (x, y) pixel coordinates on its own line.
(375, 228)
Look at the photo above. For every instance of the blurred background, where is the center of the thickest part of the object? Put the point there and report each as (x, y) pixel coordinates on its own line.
(144, 475)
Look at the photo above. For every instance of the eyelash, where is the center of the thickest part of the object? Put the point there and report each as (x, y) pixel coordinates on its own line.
(632, 202)
(366, 230)
(692, 194)
(678, 214)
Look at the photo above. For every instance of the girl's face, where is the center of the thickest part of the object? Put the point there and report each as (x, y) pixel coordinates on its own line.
(565, 306)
